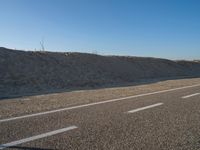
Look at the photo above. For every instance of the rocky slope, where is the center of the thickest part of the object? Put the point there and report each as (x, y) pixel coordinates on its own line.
(24, 73)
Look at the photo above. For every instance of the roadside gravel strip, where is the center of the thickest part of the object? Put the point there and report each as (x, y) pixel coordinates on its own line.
(95, 103)
(46, 102)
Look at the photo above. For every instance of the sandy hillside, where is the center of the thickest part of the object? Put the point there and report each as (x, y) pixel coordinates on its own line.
(24, 73)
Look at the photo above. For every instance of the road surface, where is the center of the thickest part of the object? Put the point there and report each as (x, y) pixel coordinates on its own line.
(159, 119)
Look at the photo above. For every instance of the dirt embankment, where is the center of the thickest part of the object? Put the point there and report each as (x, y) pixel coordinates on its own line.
(24, 73)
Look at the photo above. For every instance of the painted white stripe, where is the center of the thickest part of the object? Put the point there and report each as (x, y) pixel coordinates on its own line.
(95, 103)
(191, 95)
(36, 137)
(143, 108)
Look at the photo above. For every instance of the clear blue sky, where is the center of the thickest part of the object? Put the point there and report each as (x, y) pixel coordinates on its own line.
(158, 28)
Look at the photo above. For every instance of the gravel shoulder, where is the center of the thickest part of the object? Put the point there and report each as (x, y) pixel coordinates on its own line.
(39, 103)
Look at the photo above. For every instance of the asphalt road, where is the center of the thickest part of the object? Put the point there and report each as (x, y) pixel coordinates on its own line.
(167, 119)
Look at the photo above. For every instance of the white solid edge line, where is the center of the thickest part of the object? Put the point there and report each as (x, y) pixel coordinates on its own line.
(195, 94)
(95, 103)
(143, 108)
(36, 137)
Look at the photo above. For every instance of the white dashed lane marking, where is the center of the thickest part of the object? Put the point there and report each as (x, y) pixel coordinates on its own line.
(143, 108)
(3, 146)
(188, 96)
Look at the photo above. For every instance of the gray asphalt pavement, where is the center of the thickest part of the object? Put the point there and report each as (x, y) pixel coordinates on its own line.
(157, 121)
